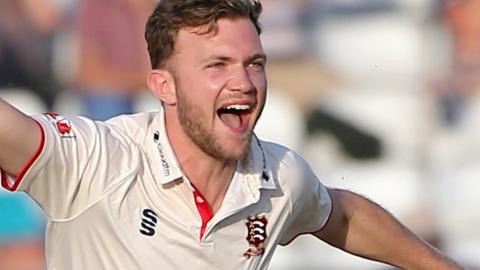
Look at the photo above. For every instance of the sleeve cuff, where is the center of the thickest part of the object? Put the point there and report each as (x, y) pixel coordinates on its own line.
(10, 183)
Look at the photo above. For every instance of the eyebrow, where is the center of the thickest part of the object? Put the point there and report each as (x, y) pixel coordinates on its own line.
(227, 58)
(257, 56)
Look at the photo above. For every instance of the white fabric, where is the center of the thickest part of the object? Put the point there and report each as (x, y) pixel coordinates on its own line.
(102, 184)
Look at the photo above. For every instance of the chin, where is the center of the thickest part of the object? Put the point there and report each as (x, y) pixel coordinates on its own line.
(239, 150)
(236, 156)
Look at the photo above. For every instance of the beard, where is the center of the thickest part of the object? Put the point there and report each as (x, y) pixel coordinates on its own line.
(191, 116)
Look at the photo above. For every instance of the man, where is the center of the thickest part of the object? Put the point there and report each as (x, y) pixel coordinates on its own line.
(190, 186)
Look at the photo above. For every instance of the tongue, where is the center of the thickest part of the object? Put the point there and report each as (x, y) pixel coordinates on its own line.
(231, 120)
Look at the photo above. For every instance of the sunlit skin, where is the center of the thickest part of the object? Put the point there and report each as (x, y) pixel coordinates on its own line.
(208, 72)
(212, 71)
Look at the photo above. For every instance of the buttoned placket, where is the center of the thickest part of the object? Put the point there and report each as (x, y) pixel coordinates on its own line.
(244, 191)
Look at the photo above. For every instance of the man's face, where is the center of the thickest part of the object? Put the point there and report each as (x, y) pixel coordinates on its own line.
(220, 86)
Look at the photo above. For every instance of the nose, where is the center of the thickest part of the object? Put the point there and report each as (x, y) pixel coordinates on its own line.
(241, 81)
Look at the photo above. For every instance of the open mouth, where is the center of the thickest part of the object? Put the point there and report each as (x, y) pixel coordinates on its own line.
(235, 115)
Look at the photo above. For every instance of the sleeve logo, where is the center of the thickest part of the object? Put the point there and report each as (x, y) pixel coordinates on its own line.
(61, 124)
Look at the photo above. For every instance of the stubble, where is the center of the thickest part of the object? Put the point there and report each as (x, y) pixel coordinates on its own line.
(193, 119)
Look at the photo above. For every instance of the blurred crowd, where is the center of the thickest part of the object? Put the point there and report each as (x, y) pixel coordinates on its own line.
(380, 96)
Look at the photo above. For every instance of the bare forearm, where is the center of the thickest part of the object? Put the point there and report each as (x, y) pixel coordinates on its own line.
(371, 232)
(19, 138)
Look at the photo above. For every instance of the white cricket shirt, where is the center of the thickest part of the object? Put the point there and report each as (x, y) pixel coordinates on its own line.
(116, 198)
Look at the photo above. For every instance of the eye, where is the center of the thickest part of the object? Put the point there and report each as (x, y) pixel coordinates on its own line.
(258, 65)
(216, 65)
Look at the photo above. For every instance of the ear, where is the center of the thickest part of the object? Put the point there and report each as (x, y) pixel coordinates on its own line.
(162, 84)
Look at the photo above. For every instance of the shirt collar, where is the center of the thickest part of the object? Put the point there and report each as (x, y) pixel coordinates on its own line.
(256, 166)
(166, 168)
(163, 160)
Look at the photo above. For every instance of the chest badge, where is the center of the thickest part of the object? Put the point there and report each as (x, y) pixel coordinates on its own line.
(257, 234)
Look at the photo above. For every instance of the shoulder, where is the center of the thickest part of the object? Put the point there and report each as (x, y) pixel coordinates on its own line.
(281, 157)
(134, 126)
(309, 198)
(132, 121)
(288, 167)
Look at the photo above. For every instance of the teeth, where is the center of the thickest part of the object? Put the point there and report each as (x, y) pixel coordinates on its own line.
(238, 107)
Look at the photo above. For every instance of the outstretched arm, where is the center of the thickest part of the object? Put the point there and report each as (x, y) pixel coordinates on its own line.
(363, 228)
(19, 138)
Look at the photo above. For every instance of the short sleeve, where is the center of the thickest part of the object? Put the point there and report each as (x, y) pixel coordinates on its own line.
(311, 205)
(77, 163)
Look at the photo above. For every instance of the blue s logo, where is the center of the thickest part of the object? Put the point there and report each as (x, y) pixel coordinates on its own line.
(149, 222)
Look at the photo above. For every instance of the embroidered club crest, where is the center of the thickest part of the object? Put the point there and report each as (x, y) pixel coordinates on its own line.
(257, 234)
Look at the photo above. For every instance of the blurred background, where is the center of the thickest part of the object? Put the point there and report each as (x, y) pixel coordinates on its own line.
(381, 97)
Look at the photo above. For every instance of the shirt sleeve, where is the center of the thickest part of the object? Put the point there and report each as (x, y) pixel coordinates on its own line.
(77, 163)
(311, 205)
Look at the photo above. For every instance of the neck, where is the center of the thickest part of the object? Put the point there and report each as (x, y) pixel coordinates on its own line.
(212, 178)
(209, 175)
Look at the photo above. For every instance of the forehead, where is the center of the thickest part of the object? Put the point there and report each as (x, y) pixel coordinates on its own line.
(234, 37)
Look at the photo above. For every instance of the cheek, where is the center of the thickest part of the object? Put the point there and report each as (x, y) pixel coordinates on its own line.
(260, 82)
(201, 87)
(216, 80)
